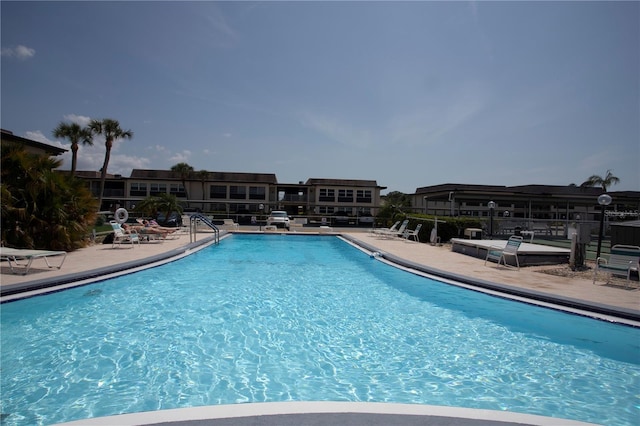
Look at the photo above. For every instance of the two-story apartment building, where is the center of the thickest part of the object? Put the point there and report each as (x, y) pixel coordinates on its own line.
(241, 194)
(525, 205)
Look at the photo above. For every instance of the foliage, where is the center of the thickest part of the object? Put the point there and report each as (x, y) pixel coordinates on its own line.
(185, 171)
(604, 182)
(76, 135)
(111, 131)
(453, 227)
(42, 209)
(153, 204)
(395, 207)
(203, 175)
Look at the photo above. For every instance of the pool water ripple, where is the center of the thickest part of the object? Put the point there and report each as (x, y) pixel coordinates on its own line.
(277, 318)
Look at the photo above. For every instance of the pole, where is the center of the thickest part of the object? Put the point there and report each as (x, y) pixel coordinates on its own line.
(491, 205)
(601, 230)
(604, 200)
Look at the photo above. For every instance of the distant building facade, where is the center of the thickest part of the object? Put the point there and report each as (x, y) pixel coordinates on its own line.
(233, 194)
(523, 206)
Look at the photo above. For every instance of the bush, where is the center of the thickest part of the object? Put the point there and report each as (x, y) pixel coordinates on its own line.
(453, 227)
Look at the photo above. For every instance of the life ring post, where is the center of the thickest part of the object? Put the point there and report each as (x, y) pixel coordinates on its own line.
(121, 215)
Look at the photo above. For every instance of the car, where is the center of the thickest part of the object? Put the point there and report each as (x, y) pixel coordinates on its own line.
(279, 219)
(243, 217)
(340, 218)
(173, 220)
(366, 220)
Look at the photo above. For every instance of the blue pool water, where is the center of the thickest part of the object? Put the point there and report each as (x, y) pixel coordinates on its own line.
(291, 318)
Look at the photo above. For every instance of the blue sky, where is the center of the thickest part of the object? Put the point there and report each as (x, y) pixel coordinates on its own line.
(409, 94)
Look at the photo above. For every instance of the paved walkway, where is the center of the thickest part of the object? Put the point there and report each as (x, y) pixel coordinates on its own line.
(102, 259)
(434, 258)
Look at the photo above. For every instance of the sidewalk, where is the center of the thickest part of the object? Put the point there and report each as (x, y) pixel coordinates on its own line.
(441, 258)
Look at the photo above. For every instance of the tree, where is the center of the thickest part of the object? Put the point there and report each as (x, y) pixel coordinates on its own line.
(111, 131)
(185, 171)
(604, 182)
(395, 204)
(153, 204)
(43, 209)
(77, 135)
(203, 175)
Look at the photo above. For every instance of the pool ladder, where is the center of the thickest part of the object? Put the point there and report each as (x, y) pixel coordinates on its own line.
(193, 226)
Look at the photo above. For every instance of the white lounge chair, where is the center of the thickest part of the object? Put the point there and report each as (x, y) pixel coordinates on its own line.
(396, 233)
(14, 256)
(231, 223)
(408, 233)
(500, 253)
(119, 236)
(382, 230)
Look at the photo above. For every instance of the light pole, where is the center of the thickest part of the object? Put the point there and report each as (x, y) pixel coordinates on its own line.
(491, 206)
(604, 200)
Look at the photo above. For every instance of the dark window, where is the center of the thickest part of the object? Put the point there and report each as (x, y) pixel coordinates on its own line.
(217, 191)
(257, 193)
(238, 192)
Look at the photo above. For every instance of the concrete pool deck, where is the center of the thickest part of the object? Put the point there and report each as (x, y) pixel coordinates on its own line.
(99, 260)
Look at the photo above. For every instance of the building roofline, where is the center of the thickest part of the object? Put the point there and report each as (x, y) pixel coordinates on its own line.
(8, 135)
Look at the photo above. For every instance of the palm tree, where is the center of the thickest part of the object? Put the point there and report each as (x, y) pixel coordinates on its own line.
(111, 131)
(41, 208)
(163, 203)
(203, 175)
(604, 182)
(185, 171)
(76, 135)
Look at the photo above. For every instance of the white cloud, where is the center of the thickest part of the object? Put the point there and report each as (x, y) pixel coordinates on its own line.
(91, 157)
(78, 119)
(337, 131)
(180, 157)
(20, 52)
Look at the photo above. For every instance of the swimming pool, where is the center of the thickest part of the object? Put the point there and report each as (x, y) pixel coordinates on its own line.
(292, 318)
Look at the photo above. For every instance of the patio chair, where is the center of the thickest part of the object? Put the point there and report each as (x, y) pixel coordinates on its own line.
(381, 230)
(623, 260)
(500, 253)
(409, 233)
(231, 223)
(14, 256)
(396, 233)
(119, 236)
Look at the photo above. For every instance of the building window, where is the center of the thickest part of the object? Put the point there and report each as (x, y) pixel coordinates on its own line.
(257, 193)
(238, 192)
(363, 196)
(138, 190)
(158, 188)
(327, 194)
(177, 189)
(218, 191)
(345, 196)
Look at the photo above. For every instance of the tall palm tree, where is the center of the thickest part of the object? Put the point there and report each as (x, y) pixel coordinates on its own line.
(185, 171)
(604, 182)
(203, 176)
(111, 131)
(77, 135)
